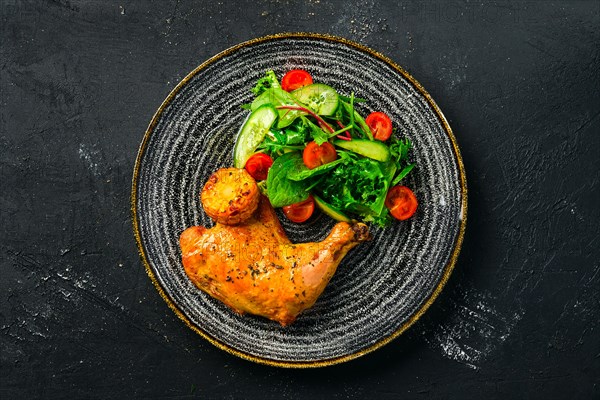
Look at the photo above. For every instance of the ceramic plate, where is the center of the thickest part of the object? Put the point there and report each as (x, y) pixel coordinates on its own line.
(381, 287)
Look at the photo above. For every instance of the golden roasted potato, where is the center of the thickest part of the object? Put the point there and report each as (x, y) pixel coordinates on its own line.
(230, 196)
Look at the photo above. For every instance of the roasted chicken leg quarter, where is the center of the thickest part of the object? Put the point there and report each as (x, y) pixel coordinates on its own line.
(246, 260)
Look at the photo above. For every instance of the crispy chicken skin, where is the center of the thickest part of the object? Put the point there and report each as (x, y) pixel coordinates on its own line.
(253, 267)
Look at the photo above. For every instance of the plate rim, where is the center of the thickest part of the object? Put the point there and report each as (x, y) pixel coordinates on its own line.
(426, 303)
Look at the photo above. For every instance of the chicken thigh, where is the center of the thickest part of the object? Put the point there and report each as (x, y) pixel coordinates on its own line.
(251, 265)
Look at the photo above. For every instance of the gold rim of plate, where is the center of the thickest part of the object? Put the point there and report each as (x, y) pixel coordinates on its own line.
(447, 270)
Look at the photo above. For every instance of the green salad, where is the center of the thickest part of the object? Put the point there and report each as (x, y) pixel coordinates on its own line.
(306, 144)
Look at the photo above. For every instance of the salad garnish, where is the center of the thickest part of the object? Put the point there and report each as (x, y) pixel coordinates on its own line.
(308, 145)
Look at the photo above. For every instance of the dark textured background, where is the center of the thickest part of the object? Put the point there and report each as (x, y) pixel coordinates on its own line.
(519, 83)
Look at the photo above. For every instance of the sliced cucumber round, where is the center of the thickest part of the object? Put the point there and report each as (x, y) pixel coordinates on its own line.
(372, 149)
(252, 133)
(278, 97)
(320, 98)
(330, 210)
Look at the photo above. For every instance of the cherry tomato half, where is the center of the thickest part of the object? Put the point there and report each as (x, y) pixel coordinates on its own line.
(401, 202)
(380, 124)
(314, 155)
(258, 166)
(300, 212)
(295, 79)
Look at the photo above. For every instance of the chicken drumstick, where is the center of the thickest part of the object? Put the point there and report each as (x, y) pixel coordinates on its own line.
(246, 260)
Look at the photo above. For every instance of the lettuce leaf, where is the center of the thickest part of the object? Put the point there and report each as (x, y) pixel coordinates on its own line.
(266, 82)
(359, 186)
(303, 172)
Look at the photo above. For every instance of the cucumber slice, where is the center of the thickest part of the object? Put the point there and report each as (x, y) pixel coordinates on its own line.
(320, 98)
(329, 210)
(252, 133)
(372, 149)
(278, 97)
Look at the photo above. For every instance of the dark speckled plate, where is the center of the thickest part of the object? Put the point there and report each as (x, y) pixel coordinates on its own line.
(381, 287)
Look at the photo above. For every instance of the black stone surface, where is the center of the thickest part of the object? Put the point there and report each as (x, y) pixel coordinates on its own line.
(519, 83)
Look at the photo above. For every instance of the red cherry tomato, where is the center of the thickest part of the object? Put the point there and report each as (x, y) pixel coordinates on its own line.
(380, 124)
(300, 212)
(401, 202)
(295, 79)
(314, 155)
(258, 166)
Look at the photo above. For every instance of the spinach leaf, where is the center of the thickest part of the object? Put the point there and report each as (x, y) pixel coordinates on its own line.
(303, 172)
(281, 190)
